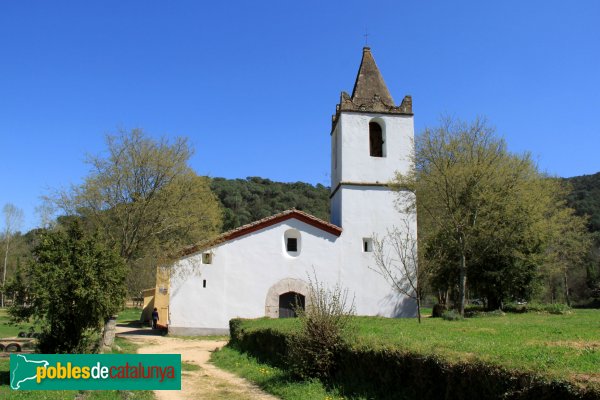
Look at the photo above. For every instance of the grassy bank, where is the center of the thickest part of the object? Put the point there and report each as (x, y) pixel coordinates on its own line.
(555, 346)
(518, 356)
(272, 380)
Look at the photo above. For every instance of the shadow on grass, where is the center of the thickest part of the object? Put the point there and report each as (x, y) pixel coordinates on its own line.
(143, 331)
(4, 378)
(134, 323)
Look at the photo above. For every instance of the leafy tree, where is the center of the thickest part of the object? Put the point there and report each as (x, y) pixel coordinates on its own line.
(487, 208)
(73, 283)
(568, 250)
(145, 199)
(593, 268)
(585, 198)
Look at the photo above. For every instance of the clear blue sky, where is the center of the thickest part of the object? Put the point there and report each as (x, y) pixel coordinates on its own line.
(253, 84)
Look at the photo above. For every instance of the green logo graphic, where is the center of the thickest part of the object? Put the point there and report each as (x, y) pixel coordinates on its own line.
(95, 371)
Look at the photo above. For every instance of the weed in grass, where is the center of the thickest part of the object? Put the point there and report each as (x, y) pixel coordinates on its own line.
(185, 366)
(325, 329)
(479, 314)
(124, 346)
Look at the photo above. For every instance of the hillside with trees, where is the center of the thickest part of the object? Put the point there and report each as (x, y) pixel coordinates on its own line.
(253, 198)
(585, 198)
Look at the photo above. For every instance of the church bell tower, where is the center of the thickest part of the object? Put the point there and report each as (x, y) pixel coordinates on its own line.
(371, 140)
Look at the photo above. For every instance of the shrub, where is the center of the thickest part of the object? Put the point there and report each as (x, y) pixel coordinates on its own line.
(325, 326)
(452, 315)
(513, 307)
(555, 308)
(74, 282)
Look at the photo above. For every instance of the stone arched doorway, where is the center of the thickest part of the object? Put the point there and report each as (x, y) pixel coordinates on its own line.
(288, 290)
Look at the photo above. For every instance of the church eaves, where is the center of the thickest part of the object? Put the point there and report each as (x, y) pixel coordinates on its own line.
(370, 93)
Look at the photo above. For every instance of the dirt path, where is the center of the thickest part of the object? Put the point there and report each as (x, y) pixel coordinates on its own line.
(208, 382)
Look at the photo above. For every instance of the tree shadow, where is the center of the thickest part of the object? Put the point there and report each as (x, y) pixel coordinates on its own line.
(4, 378)
(142, 331)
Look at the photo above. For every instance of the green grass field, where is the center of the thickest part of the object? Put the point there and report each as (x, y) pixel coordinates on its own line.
(557, 346)
(130, 315)
(127, 316)
(9, 330)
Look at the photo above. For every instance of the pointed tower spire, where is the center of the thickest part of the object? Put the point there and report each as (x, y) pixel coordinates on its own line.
(370, 93)
(369, 82)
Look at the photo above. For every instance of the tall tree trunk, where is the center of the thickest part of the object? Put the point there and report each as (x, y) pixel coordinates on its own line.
(462, 283)
(566, 283)
(419, 308)
(4, 273)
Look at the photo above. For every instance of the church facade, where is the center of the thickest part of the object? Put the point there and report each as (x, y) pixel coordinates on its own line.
(262, 268)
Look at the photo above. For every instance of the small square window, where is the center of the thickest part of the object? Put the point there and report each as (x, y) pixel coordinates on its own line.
(292, 244)
(206, 258)
(367, 245)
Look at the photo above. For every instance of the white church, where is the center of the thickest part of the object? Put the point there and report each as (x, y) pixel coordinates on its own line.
(259, 269)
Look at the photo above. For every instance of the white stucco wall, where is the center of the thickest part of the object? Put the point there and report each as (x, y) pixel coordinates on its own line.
(355, 163)
(369, 211)
(243, 270)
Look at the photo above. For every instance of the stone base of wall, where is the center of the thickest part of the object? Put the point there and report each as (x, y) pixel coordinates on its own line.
(188, 331)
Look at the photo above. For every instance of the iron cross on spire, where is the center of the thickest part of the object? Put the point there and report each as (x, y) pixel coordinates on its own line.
(366, 35)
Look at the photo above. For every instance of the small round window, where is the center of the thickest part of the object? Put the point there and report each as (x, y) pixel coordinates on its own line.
(292, 242)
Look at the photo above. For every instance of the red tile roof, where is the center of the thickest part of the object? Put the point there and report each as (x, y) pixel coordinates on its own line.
(263, 223)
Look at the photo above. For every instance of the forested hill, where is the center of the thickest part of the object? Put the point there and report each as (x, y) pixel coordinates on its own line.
(585, 197)
(253, 198)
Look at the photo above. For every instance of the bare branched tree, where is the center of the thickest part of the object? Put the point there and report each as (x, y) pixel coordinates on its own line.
(397, 260)
(13, 218)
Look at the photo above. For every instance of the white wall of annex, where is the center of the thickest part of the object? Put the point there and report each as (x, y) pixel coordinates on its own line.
(242, 272)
